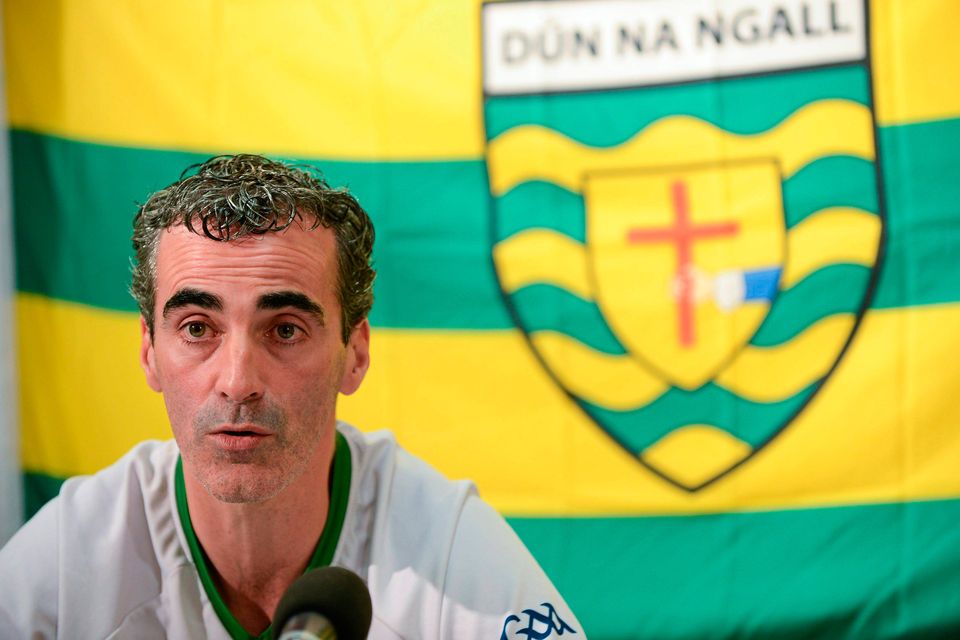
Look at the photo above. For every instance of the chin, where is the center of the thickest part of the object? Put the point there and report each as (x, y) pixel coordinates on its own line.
(246, 485)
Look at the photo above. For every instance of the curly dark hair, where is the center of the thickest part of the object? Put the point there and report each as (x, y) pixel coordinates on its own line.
(228, 197)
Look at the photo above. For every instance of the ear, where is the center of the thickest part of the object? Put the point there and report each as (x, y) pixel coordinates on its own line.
(357, 362)
(147, 358)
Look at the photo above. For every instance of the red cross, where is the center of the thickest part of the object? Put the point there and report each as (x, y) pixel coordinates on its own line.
(683, 234)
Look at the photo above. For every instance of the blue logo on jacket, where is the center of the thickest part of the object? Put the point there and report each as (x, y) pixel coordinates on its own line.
(539, 625)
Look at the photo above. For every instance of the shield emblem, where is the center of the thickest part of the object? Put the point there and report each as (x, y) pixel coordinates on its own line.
(685, 225)
(657, 240)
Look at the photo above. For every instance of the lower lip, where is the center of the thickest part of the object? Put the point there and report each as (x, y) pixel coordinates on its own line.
(238, 442)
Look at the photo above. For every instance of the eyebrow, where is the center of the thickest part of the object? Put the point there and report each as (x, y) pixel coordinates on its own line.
(276, 300)
(188, 297)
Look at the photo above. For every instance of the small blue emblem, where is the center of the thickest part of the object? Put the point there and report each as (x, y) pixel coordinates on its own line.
(539, 625)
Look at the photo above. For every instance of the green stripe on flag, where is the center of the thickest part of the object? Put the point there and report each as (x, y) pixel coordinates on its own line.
(74, 200)
(868, 571)
(74, 203)
(923, 201)
(38, 489)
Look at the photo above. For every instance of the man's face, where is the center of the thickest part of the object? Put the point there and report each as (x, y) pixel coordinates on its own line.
(247, 352)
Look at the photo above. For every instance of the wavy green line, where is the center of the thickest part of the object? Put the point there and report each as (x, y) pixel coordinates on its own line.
(742, 106)
(834, 181)
(838, 288)
(752, 422)
(544, 307)
(540, 204)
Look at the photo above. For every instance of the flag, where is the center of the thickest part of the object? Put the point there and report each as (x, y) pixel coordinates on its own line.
(11, 504)
(673, 282)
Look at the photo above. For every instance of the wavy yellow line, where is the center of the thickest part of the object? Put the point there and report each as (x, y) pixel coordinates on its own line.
(768, 374)
(838, 234)
(761, 374)
(543, 255)
(824, 128)
(617, 382)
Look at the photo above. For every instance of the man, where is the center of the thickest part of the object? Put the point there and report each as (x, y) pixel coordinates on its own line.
(254, 284)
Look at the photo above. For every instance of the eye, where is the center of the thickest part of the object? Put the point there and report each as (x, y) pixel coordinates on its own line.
(286, 331)
(196, 329)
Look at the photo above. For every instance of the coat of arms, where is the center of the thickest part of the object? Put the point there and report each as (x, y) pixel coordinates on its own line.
(685, 213)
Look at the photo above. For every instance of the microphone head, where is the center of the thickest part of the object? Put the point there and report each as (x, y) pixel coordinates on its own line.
(335, 593)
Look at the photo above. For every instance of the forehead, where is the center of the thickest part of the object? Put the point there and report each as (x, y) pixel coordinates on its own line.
(241, 270)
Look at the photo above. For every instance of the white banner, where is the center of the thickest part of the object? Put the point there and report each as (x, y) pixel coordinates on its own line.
(576, 45)
(11, 493)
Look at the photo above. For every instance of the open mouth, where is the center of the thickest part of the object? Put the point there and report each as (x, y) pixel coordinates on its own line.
(242, 429)
(239, 439)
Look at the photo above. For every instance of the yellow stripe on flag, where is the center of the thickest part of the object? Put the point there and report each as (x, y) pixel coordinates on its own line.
(362, 79)
(479, 405)
(916, 60)
(762, 374)
(83, 397)
(313, 77)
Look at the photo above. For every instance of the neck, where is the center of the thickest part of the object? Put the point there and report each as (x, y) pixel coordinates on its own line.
(256, 550)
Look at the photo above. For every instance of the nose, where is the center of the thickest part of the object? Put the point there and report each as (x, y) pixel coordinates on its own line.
(239, 378)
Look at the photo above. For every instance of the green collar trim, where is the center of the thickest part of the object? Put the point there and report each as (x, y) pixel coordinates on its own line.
(322, 555)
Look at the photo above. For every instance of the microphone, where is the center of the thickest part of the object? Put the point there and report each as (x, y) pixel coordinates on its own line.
(330, 603)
